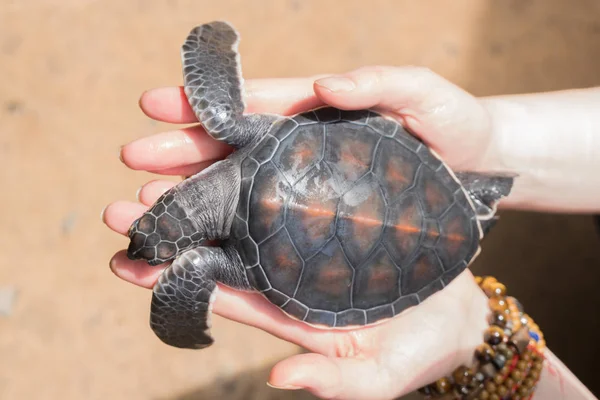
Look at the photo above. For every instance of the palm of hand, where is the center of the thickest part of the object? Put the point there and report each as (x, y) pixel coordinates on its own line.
(377, 362)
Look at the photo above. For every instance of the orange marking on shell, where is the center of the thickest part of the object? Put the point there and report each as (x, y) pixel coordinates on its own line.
(329, 279)
(394, 174)
(381, 280)
(319, 212)
(350, 158)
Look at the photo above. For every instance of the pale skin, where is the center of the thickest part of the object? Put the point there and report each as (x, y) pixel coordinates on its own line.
(552, 141)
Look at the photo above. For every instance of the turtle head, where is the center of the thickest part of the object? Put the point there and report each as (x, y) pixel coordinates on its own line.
(163, 232)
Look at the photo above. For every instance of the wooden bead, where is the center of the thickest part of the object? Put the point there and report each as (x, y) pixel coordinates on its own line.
(484, 353)
(488, 280)
(495, 289)
(499, 304)
(484, 395)
(490, 386)
(502, 391)
(494, 335)
(516, 375)
(523, 391)
(462, 375)
(494, 396)
(499, 379)
(509, 383)
(528, 383)
(499, 319)
(443, 386)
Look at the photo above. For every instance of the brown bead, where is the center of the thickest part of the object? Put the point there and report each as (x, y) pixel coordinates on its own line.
(529, 383)
(495, 289)
(523, 391)
(462, 376)
(499, 379)
(499, 319)
(488, 280)
(494, 335)
(516, 375)
(509, 383)
(443, 386)
(484, 395)
(494, 396)
(502, 390)
(535, 375)
(499, 304)
(484, 353)
(490, 386)
(522, 365)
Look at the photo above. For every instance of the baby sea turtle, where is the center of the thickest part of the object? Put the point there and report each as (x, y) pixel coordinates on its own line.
(340, 218)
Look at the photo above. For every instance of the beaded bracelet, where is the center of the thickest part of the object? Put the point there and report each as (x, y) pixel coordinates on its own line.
(509, 362)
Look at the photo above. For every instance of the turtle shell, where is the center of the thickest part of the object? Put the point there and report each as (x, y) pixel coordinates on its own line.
(346, 219)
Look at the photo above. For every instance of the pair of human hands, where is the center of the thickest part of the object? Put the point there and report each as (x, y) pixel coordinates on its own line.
(383, 361)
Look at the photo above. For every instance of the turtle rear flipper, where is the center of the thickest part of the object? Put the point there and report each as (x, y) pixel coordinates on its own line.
(485, 191)
(183, 296)
(213, 84)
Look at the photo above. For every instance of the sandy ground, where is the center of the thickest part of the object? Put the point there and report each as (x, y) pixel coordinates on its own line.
(71, 72)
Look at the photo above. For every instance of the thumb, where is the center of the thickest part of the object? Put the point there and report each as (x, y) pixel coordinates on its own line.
(438, 112)
(332, 378)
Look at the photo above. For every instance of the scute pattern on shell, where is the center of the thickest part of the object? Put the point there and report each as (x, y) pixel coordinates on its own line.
(346, 219)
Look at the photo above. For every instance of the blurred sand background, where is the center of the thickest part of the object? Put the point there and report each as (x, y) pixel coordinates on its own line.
(71, 72)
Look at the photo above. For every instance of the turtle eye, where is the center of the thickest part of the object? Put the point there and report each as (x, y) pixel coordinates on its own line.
(162, 233)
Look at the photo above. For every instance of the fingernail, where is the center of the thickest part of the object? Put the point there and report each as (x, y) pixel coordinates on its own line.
(121, 154)
(111, 264)
(102, 213)
(336, 84)
(285, 387)
(137, 194)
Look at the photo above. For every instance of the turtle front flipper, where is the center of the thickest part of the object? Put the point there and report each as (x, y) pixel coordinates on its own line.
(199, 208)
(213, 85)
(183, 296)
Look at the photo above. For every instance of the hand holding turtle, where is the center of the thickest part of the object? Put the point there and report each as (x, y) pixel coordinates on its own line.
(400, 355)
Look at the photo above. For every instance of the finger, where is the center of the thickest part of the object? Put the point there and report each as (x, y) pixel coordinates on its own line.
(151, 191)
(119, 215)
(185, 170)
(279, 96)
(439, 112)
(173, 149)
(138, 272)
(331, 378)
